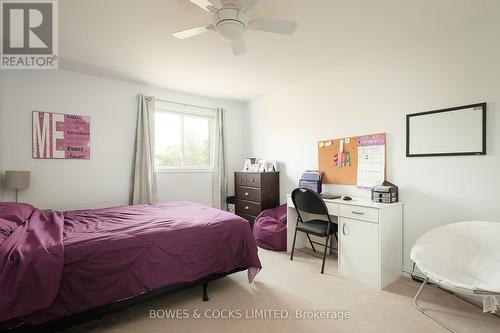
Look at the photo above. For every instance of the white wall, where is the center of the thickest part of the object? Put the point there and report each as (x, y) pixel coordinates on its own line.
(183, 186)
(372, 93)
(105, 179)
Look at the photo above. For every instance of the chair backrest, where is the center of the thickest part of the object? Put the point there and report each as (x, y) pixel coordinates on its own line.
(309, 201)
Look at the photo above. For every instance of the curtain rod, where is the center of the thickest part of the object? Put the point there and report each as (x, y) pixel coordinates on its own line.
(184, 104)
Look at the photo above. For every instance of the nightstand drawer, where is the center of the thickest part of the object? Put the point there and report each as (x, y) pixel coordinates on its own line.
(247, 193)
(240, 179)
(247, 207)
(253, 180)
(247, 179)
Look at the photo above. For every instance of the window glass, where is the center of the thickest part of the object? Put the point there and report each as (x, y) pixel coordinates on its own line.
(183, 141)
(196, 142)
(168, 140)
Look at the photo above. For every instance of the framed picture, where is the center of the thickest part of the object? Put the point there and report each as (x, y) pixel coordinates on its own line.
(60, 136)
(261, 166)
(247, 165)
(254, 168)
(271, 167)
(249, 162)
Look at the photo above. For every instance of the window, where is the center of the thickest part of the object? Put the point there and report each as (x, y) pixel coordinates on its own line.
(183, 141)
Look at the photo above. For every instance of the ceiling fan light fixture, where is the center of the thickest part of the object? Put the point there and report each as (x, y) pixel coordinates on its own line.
(232, 21)
(231, 30)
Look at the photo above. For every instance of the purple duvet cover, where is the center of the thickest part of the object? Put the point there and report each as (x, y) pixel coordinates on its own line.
(55, 265)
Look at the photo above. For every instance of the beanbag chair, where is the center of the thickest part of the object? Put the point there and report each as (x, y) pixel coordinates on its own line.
(269, 229)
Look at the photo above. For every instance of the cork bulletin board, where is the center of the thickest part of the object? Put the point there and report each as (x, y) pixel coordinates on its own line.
(347, 175)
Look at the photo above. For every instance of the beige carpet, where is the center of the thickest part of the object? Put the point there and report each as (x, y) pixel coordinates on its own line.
(298, 285)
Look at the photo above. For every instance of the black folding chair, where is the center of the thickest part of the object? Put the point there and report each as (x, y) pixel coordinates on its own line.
(308, 201)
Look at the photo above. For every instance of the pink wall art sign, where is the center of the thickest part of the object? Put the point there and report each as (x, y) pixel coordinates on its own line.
(60, 136)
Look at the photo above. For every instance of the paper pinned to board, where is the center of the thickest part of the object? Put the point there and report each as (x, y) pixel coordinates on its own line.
(490, 304)
(324, 144)
(371, 160)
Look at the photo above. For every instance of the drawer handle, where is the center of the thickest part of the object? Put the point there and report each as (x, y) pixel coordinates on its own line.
(252, 180)
(246, 194)
(246, 207)
(343, 229)
(358, 213)
(241, 179)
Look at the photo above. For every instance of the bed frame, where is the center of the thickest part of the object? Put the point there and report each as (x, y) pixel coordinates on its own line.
(79, 318)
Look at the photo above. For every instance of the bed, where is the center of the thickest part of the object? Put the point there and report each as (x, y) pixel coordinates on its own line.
(55, 265)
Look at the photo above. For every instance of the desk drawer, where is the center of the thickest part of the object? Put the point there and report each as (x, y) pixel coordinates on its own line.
(248, 193)
(247, 207)
(359, 213)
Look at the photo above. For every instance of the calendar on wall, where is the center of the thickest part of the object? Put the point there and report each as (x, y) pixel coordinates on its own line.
(371, 160)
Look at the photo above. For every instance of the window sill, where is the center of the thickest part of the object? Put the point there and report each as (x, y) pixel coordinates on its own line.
(160, 171)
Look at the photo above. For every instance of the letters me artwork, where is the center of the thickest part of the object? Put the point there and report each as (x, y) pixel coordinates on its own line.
(60, 136)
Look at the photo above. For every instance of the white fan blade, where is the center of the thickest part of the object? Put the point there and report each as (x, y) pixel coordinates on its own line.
(239, 48)
(246, 5)
(207, 5)
(193, 32)
(279, 27)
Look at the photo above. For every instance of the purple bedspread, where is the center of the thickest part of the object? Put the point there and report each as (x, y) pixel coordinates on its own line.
(115, 253)
(31, 261)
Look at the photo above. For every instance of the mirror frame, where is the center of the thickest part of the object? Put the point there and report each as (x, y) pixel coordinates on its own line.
(409, 116)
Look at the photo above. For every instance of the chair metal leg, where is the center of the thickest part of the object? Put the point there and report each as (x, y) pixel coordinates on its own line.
(336, 240)
(324, 254)
(293, 246)
(310, 242)
(415, 301)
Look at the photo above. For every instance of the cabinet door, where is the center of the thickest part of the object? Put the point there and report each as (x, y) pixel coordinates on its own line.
(359, 250)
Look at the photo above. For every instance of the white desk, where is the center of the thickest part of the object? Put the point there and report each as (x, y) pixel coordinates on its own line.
(370, 239)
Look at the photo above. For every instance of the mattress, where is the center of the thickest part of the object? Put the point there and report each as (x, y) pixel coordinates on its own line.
(96, 257)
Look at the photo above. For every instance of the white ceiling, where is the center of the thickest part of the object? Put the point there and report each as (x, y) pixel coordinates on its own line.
(130, 39)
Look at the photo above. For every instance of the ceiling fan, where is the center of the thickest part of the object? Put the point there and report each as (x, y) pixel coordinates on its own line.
(232, 20)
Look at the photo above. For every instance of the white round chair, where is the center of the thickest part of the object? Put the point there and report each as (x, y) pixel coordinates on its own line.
(461, 257)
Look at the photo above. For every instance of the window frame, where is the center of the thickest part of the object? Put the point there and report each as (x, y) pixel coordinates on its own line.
(205, 114)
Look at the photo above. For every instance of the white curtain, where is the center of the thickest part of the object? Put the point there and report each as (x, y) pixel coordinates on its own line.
(219, 177)
(144, 177)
